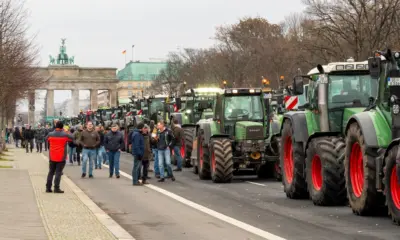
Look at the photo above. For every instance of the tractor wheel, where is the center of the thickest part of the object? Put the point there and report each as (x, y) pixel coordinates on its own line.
(360, 173)
(392, 185)
(292, 164)
(221, 161)
(188, 146)
(203, 158)
(275, 146)
(325, 171)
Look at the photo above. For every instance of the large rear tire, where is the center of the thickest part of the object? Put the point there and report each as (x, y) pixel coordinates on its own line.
(203, 158)
(392, 185)
(188, 147)
(221, 161)
(360, 173)
(292, 164)
(325, 171)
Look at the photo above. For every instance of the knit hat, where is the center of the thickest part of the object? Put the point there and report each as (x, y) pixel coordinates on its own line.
(140, 125)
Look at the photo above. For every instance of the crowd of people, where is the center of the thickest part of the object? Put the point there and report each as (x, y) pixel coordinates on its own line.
(99, 146)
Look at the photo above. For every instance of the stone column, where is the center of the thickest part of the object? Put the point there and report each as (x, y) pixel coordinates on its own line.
(75, 101)
(93, 99)
(112, 94)
(50, 103)
(31, 108)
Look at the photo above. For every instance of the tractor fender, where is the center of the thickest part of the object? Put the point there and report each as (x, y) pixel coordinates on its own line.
(205, 127)
(367, 128)
(299, 124)
(275, 128)
(189, 126)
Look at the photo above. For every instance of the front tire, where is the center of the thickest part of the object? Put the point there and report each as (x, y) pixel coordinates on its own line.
(203, 158)
(360, 173)
(392, 185)
(292, 164)
(221, 161)
(188, 145)
(325, 171)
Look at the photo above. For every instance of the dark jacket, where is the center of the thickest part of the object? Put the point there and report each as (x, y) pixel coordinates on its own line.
(179, 135)
(137, 144)
(147, 149)
(17, 134)
(58, 140)
(101, 134)
(165, 139)
(40, 135)
(113, 141)
(90, 139)
(29, 134)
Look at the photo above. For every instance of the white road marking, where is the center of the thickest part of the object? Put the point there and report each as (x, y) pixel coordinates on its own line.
(259, 184)
(112, 226)
(220, 216)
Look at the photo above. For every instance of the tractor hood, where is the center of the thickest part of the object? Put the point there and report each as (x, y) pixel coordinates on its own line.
(246, 130)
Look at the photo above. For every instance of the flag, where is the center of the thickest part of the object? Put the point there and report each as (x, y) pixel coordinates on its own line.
(123, 52)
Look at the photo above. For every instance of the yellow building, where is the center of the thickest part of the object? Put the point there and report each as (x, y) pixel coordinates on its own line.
(135, 77)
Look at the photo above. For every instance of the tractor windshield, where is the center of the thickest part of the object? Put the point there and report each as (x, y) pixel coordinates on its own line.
(156, 105)
(243, 108)
(349, 90)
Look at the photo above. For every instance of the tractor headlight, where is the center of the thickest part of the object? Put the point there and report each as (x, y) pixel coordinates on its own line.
(396, 109)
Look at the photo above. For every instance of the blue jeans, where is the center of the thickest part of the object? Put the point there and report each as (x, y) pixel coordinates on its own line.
(72, 151)
(137, 165)
(88, 154)
(101, 156)
(156, 164)
(164, 156)
(178, 157)
(113, 158)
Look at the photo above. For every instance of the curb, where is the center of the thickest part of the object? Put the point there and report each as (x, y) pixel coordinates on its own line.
(107, 221)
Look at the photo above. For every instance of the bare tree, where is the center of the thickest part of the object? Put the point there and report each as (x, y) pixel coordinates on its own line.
(18, 57)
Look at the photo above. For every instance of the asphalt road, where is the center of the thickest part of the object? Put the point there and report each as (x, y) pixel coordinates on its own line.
(149, 214)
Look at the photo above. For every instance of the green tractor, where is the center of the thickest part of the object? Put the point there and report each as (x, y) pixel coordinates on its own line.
(196, 104)
(312, 144)
(372, 144)
(234, 138)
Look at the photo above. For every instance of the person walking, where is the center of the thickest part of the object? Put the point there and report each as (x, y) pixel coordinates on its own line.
(165, 141)
(104, 155)
(113, 143)
(57, 155)
(178, 134)
(72, 148)
(17, 136)
(29, 135)
(40, 136)
(137, 152)
(100, 150)
(89, 139)
(77, 137)
(153, 142)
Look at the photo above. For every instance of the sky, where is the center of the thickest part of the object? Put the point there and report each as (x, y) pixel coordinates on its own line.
(97, 31)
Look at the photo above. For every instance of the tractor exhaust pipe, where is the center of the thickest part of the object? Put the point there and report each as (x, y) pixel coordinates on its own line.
(322, 100)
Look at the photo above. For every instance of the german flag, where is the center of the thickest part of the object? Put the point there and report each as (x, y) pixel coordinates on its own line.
(124, 52)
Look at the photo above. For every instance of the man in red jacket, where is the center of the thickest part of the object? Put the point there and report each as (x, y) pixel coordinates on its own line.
(58, 140)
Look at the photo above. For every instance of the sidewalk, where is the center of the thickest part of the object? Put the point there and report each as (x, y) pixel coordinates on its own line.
(35, 213)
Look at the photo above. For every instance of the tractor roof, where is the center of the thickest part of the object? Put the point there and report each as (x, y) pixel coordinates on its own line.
(238, 91)
(349, 65)
(200, 91)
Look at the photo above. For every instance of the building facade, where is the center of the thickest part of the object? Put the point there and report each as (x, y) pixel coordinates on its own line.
(135, 77)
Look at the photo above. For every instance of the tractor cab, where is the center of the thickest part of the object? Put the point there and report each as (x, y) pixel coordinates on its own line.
(335, 92)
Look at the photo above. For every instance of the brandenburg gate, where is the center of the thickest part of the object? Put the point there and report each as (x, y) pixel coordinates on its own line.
(63, 74)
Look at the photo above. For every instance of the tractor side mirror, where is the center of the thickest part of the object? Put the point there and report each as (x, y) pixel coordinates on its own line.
(297, 88)
(374, 65)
